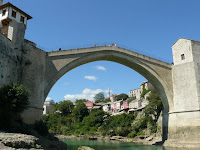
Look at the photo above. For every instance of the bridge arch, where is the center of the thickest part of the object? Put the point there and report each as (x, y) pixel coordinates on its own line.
(157, 72)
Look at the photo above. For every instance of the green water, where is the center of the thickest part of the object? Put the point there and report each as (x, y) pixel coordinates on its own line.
(103, 145)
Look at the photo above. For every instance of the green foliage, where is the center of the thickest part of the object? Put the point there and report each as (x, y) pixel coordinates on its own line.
(80, 101)
(13, 101)
(118, 125)
(154, 108)
(65, 107)
(132, 134)
(41, 128)
(122, 96)
(99, 97)
(107, 100)
(53, 122)
(80, 122)
(80, 111)
(151, 114)
(144, 91)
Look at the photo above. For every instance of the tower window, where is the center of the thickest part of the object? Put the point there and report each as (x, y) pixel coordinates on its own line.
(22, 19)
(182, 57)
(4, 12)
(14, 14)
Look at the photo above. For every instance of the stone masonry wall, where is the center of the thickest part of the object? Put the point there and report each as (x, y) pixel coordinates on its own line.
(10, 70)
(33, 79)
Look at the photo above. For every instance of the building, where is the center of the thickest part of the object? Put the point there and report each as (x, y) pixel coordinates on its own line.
(89, 104)
(135, 104)
(107, 107)
(147, 85)
(48, 106)
(113, 98)
(116, 106)
(13, 21)
(138, 103)
(124, 106)
(135, 93)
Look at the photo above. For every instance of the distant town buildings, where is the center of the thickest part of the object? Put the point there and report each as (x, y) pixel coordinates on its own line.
(115, 107)
(137, 92)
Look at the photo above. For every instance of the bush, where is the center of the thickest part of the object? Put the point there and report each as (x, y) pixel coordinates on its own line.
(41, 128)
(13, 101)
(132, 134)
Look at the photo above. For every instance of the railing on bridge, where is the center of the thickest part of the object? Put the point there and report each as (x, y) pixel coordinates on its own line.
(106, 44)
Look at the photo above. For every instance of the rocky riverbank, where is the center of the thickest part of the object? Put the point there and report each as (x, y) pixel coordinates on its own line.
(12, 141)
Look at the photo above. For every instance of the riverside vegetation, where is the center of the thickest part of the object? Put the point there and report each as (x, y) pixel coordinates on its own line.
(13, 132)
(78, 121)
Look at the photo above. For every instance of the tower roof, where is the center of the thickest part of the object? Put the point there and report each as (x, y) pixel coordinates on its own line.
(11, 5)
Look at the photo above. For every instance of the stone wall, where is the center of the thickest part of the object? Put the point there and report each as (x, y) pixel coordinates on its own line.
(33, 79)
(10, 70)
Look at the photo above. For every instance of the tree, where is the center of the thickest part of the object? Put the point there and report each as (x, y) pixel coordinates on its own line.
(99, 97)
(155, 106)
(80, 101)
(107, 100)
(122, 96)
(65, 107)
(79, 112)
(13, 101)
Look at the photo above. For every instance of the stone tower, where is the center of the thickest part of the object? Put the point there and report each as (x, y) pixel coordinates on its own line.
(13, 22)
(186, 90)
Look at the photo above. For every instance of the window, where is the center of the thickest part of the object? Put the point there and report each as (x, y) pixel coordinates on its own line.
(4, 12)
(182, 57)
(22, 19)
(14, 13)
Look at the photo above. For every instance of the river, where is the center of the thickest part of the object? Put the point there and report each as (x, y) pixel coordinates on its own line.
(103, 145)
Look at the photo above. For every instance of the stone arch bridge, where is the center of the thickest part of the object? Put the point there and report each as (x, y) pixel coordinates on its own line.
(39, 71)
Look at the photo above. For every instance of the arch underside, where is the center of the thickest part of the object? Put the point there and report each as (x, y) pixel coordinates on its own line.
(142, 66)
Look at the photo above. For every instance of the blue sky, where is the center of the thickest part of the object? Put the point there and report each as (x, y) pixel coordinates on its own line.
(148, 27)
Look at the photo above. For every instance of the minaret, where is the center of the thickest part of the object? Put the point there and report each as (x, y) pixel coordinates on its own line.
(108, 93)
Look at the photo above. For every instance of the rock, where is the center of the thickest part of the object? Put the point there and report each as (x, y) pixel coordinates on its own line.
(17, 140)
(12, 141)
(150, 138)
(116, 137)
(85, 148)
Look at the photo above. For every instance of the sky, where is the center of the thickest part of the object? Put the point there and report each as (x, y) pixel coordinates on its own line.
(147, 27)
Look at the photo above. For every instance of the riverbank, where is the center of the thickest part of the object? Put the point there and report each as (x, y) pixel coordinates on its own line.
(12, 141)
(150, 140)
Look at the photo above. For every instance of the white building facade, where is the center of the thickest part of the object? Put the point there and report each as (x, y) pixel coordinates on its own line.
(48, 106)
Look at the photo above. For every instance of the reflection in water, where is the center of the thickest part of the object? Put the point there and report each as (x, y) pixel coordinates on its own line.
(103, 145)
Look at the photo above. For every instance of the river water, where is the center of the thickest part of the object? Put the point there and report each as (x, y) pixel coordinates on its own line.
(103, 145)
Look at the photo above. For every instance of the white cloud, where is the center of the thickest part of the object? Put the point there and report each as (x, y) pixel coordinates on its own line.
(91, 78)
(100, 68)
(86, 94)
